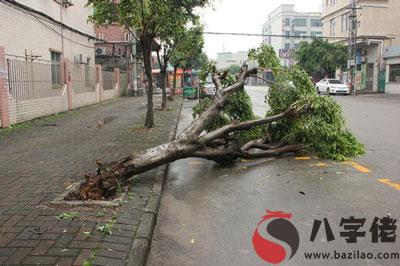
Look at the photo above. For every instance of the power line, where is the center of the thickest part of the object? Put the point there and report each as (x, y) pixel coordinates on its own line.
(273, 35)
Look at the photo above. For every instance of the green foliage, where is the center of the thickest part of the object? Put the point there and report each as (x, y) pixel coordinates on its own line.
(68, 215)
(322, 130)
(320, 58)
(234, 69)
(189, 53)
(266, 58)
(107, 228)
(237, 108)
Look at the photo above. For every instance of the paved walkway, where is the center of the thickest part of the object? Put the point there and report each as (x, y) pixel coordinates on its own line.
(42, 158)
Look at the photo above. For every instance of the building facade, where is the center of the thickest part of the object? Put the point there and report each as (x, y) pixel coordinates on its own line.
(115, 46)
(47, 60)
(47, 30)
(294, 27)
(378, 28)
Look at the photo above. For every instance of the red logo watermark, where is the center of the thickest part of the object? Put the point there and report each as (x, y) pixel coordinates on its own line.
(273, 229)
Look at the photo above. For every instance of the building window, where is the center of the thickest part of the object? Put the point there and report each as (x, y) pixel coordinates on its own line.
(345, 23)
(333, 2)
(299, 22)
(56, 70)
(394, 73)
(333, 27)
(287, 34)
(287, 45)
(100, 36)
(327, 2)
(127, 37)
(316, 23)
(316, 34)
(287, 21)
(300, 33)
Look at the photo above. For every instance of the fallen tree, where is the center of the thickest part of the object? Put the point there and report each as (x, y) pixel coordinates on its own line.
(225, 128)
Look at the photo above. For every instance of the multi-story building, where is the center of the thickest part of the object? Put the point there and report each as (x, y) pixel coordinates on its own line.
(115, 47)
(378, 28)
(226, 59)
(290, 29)
(47, 30)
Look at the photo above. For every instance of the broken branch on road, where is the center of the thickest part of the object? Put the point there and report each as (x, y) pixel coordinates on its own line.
(225, 128)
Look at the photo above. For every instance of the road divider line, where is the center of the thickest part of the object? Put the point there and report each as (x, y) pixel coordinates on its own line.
(390, 183)
(359, 167)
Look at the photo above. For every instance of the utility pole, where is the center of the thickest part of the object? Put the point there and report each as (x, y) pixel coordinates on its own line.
(352, 43)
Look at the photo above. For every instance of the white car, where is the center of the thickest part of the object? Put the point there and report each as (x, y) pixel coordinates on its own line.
(332, 86)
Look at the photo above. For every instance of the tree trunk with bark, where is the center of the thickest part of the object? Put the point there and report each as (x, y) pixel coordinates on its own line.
(163, 64)
(194, 142)
(146, 45)
(174, 80)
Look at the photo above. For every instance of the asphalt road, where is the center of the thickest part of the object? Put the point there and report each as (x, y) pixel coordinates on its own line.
(209, 213)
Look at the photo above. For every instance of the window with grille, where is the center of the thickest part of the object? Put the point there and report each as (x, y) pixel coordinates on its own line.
(394, 73)
(56, 70)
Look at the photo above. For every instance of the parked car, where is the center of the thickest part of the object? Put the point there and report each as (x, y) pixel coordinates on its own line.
(208, 90)
(332, 86)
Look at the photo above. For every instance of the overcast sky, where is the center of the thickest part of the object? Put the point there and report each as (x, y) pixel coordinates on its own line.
(242, 16)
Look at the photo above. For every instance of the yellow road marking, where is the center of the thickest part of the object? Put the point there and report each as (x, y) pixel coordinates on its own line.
(359, 167)
(319, 165)
(305, 158)
(390, 183)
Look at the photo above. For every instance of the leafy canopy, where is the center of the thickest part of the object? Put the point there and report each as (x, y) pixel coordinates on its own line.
(322, 130)
(150, 18)
(320, 58)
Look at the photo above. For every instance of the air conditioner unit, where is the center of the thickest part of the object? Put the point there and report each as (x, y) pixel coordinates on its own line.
(81, 59)
(101, 51)
(66, 3)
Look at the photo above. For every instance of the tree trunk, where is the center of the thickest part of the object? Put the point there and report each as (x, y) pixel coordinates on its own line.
(193, 142)
(146, 45)
(174, 81)
(163, 71)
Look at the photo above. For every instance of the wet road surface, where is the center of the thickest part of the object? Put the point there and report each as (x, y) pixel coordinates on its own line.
(209, 213)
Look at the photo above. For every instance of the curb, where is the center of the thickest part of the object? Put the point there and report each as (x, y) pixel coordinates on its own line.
(140, 249)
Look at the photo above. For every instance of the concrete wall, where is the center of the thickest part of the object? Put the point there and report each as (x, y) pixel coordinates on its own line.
(21, 30)
(391, 87)
(15, 107)
(376, 17)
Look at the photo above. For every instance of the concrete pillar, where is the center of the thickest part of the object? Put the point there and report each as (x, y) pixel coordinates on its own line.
(117, 81)
(4, 108)
(99, 81)
(68, 83)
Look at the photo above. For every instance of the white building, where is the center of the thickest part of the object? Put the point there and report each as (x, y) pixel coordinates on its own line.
(33, 29)
(295, 27)
(226, 59)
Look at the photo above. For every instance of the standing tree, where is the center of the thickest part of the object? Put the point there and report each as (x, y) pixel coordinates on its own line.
(189, 54)
(226, 129)
(320, 58)
(150, 19)
(175, 39)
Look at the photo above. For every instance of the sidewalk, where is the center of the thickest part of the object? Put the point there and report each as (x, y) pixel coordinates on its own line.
(39, 162)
